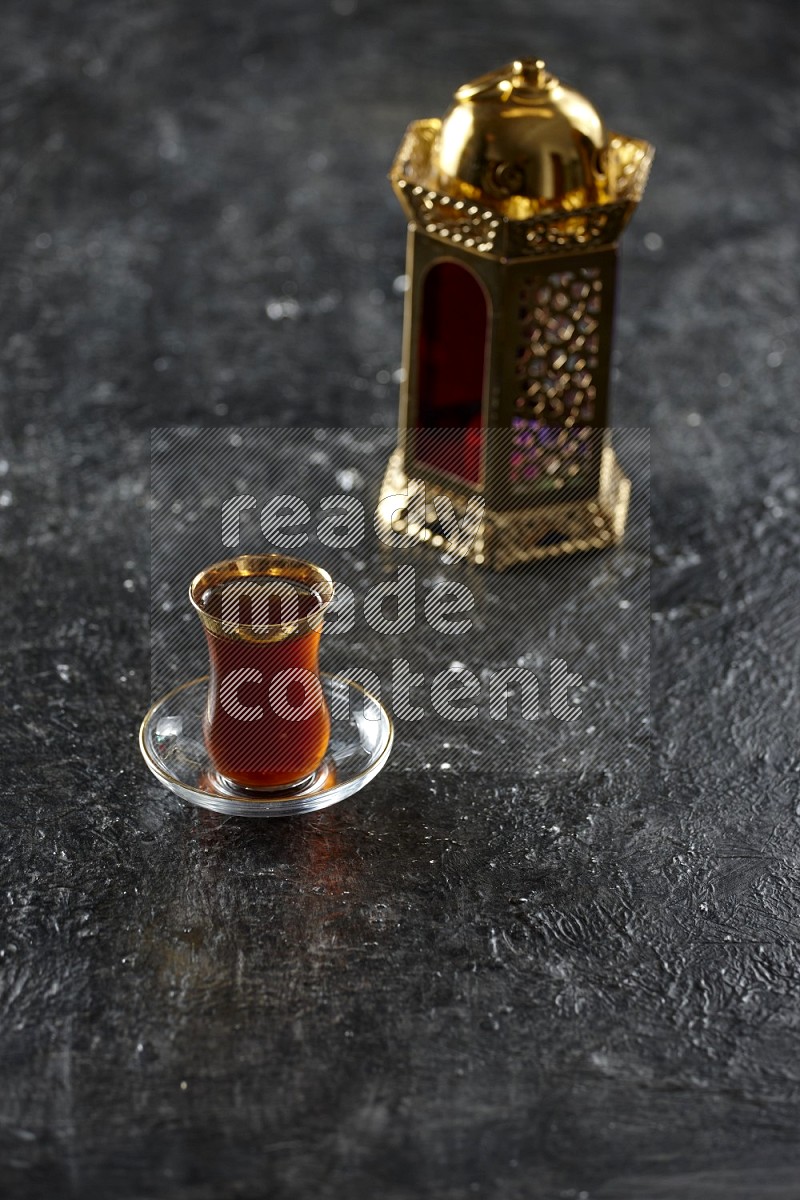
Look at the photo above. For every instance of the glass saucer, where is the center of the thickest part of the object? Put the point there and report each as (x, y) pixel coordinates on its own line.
(171, 741)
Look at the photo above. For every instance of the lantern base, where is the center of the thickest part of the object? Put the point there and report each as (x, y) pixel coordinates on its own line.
(507, 538)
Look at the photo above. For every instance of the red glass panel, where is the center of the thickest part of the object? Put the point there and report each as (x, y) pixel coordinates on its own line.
(452, 353)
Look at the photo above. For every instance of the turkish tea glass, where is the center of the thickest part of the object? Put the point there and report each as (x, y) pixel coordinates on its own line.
(267, 723)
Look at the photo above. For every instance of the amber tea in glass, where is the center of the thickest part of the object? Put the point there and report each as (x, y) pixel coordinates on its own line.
(267, 724)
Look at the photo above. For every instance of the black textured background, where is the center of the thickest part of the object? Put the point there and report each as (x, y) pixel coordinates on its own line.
(448, 986)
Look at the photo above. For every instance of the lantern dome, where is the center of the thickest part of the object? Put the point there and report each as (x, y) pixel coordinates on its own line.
(521, 142)
(520, 165)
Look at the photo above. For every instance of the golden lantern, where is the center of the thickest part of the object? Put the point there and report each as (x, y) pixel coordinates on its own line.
(516, 200)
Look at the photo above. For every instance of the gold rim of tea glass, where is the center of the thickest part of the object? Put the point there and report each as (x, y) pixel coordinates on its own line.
(245, 566)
